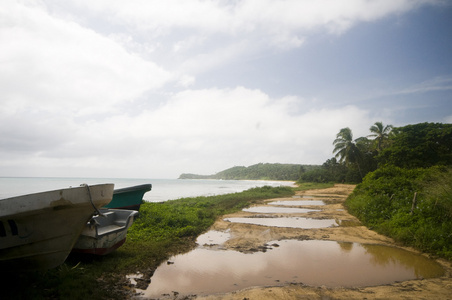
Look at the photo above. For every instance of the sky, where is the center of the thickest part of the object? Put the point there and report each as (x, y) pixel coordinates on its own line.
(156, 88)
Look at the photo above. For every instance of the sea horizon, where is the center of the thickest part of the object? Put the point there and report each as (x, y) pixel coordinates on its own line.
(162, 189)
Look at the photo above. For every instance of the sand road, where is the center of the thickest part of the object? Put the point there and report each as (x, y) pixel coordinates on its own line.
(249, 237)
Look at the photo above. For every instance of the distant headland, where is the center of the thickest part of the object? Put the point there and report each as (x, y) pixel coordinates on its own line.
(260, 171)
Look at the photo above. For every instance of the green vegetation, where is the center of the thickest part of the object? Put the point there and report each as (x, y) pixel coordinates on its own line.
(413, 146)
(405, 176)
(349, 151)
(163, 229)
(330, 171)
(353, 158)
(419, 146)
(413, 206)
(409, 196)
(259, 171)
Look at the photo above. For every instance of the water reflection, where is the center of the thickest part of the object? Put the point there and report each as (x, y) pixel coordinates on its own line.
(315, 263)
(293, 222)
(276, 210)
(345, 246)
(390, 256)
(297, 202)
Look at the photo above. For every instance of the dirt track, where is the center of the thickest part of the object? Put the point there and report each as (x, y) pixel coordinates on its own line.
(248, 237)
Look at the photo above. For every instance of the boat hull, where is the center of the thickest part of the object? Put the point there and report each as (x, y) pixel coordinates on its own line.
(105, 233)
(38, 231)
(129, 198)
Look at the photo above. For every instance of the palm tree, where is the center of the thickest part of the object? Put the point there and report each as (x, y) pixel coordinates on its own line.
(380, 133)
(346, 149)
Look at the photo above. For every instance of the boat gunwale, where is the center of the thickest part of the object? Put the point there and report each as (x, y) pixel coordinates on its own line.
(23, 201)
(147, 187)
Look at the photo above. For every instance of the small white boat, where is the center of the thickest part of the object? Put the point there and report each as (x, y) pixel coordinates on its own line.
(106, 232)
(38, 231)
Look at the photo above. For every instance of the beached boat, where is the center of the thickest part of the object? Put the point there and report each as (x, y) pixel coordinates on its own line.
(129, 198)
(38, 231)
(106, 232)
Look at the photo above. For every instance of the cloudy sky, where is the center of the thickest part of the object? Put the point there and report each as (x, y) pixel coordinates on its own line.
(156, 88)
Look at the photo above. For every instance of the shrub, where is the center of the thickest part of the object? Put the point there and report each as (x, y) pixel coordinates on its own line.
(384, 201)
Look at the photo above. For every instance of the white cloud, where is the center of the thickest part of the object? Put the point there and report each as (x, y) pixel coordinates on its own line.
(205, 61)
(167, 29)
(201, 131)
(188, 43)
(76, 76)
(244, 16)
(57, 65)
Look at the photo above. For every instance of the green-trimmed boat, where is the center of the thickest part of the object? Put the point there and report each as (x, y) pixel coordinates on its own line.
(129, 198)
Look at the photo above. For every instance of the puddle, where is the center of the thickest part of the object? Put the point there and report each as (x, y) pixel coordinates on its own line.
(308, 196)
(277, 210)
(305, 223)
(213, 237)
(297, 202)
(314, 263)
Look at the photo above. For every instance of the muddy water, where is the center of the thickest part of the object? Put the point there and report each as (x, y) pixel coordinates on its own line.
(211, 269)
(278, 210)
(289, 222)
(204, 271)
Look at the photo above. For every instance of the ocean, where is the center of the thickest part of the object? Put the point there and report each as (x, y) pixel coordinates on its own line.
(162, 189)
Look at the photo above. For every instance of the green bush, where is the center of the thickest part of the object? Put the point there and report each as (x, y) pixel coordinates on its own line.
(384, 202)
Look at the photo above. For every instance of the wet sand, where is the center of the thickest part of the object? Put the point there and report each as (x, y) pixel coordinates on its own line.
(248, 237)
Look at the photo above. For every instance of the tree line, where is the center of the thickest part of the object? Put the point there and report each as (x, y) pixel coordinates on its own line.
(413, 146)
(260, 171)
(409, 195)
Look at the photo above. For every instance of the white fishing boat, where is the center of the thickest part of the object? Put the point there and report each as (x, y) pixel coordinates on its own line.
(38, 231)
(105, 232)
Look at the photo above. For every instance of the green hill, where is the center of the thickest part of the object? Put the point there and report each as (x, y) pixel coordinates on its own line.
(259, 171)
